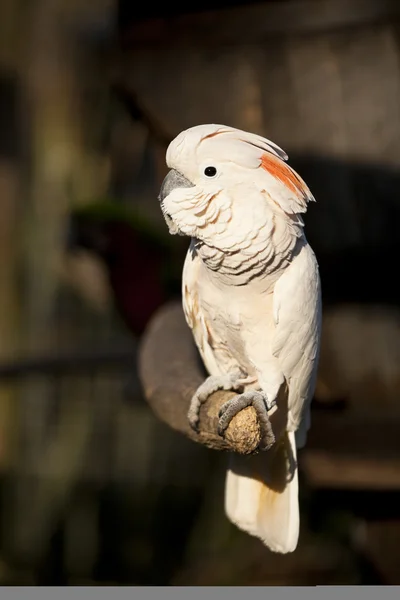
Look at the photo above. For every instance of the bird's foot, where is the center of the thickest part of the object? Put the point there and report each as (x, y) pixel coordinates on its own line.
(261, 405)
(231, 381)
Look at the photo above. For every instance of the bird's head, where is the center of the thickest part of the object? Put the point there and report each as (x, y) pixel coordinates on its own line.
(225, 184)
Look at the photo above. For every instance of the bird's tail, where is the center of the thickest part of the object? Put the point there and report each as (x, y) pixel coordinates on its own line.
(261, 495)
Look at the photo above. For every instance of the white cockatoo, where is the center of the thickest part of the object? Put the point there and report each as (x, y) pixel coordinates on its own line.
(251, 296)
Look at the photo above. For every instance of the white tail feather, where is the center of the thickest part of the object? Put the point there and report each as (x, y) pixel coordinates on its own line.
(261, 495)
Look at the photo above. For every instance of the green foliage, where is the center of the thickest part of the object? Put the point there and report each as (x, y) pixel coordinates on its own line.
(108, 210)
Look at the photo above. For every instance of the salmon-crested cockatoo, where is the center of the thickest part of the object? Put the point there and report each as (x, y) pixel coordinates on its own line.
(251, 296)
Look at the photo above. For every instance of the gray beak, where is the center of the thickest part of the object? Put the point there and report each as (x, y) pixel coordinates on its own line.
(173, 180)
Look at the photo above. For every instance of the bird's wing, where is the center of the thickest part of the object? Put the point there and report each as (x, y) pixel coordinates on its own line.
(296, 340)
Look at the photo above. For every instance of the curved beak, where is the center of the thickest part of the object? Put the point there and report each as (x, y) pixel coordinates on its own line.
(173, 180)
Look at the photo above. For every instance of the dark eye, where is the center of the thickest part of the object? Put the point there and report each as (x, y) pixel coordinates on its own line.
(210, 171)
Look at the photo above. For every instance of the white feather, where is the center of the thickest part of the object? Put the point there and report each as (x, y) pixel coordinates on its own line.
(297, 314)
(269, 512)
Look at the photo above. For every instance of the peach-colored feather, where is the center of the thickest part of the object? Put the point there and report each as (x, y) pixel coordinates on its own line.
(280, 170)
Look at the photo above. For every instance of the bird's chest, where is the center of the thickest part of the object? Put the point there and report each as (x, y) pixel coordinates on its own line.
(227, 320)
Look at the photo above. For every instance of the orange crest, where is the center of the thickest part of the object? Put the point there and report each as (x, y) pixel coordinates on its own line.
(281, 171)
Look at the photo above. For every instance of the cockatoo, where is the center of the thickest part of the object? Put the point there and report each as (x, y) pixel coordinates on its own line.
(251, 296)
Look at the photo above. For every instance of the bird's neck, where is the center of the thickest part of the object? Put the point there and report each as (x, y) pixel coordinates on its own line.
(259, 263)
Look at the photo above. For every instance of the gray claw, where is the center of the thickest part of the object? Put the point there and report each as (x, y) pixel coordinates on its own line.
(212, 384)
(261, 405)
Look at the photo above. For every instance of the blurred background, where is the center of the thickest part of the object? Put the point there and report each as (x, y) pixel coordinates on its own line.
(93, 488)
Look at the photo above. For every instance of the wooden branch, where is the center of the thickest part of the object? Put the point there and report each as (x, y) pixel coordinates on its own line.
(64, 364)
(138, 112)
(345, 449)
(170, 372)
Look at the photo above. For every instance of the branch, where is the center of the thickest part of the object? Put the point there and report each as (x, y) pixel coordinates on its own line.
(64, 364)
(138, 112)
(346, 449)
(170, 371)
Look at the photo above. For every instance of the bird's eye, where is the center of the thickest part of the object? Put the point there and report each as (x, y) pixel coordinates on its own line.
(210, 171)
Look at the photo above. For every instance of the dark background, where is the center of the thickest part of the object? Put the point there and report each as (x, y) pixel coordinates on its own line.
(94, 489)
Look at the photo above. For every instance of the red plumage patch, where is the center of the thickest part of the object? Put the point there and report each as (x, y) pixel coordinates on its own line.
(283, 173)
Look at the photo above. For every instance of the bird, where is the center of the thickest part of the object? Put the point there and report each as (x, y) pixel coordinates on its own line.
(251, 295)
